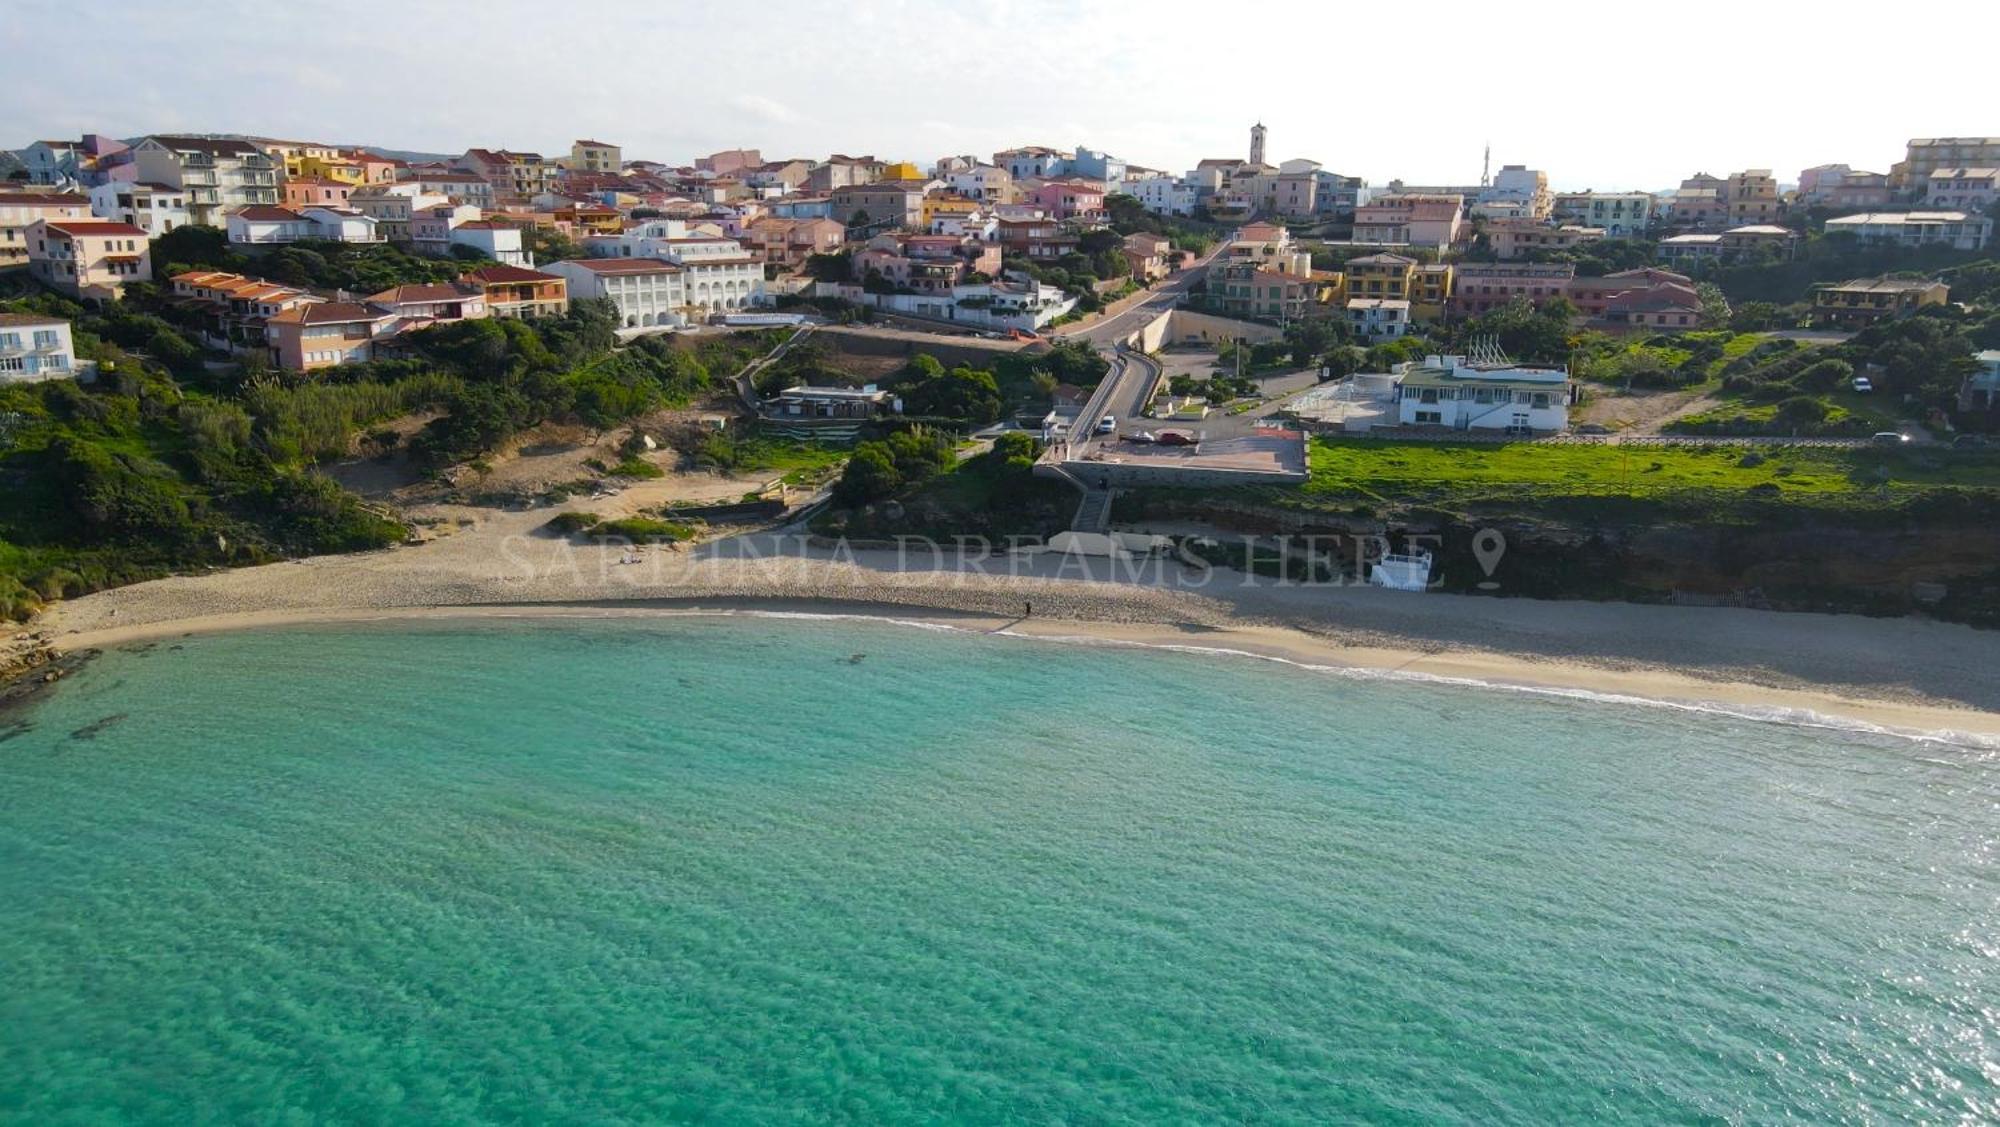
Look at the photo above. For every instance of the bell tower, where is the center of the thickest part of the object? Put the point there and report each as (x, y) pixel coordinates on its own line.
(1257, 143)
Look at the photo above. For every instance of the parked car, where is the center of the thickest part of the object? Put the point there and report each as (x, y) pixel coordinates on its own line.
(1888, 438)
(1863, 384)
(1175, 438)
(1967, 440)
(1107, 425)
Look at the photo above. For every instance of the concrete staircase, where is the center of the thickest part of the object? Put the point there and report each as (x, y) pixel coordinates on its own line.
(1093, 514)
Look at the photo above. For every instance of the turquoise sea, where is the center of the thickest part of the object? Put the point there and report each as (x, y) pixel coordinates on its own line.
(758, 870)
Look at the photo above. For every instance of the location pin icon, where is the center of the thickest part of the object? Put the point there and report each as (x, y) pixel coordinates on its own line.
(1487, 547)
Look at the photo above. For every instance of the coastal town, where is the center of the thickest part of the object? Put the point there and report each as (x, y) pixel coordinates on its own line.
(957, 562)
(351, 344)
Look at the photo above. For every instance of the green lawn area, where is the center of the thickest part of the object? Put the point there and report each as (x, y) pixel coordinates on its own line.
(1400, 469)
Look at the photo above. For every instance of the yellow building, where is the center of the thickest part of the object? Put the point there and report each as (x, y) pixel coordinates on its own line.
(1430, 289)
(946, 205)
(902, 170)
(336, 168)
(293, 155)
(1387, 276)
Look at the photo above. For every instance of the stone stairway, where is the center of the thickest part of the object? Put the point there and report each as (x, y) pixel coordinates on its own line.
(1093, 514)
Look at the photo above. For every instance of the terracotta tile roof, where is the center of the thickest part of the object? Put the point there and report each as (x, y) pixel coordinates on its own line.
(42, 199)
(94, 228)
(626, 266)
(505, 273)
(328, 313)
(266, 213)
(25, 319)
(432, 291)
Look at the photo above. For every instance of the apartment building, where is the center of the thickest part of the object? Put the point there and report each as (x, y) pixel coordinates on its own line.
(290, 156)
(218, 175)
(515, 291)
(514, 178)
(646, 291)
(790, 242)
(235, 309)
(1390, 276)
(433, 301)
(1752, 197)
(1732, 245)
(988, 183)
(931, 264)
(463, 187)
(1925, 155)
(22, 210)
(1410, 219)
(262, 226)
(1482, 287)
(1838, 186)
(1955, 229)
(52, 163)
(1646, 297)
(1620, 215)
(888, 204)
(595, 156)
(326, 334)
(391, 206)
(88, 258)
(154, 208)
(1864, 301)
(34, 347)
(1071, 199)
(1963, 189)
(1519, 184)
(1519, 238)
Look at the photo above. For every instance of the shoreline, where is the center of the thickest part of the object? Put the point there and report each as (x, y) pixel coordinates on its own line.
(1463, 669)
(1905, 674)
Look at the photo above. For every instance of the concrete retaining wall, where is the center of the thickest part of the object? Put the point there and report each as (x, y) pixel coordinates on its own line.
(1176, 326)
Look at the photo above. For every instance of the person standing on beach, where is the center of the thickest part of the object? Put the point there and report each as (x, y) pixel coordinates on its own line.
(1027, 608)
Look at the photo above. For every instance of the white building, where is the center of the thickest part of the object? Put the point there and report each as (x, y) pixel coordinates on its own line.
(498, 241)
(1377, 319)
(1450, 391)
(153, 208)
(265, 225)
(1955, 229)
(1166, 195)
(464, 187)
(34, 347)
(987, 183)
(218, 175)
(1963, 189)
(719, 275)
(647, 291)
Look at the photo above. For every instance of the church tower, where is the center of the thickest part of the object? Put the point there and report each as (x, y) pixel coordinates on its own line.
(1257, 143)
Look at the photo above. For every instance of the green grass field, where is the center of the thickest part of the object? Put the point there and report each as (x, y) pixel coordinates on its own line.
(1399, 469)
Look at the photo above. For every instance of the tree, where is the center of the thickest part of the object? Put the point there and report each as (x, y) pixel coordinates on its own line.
(870, 475)
(1714, 306)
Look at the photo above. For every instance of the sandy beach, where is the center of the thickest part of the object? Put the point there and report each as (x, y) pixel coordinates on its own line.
(1904, 675)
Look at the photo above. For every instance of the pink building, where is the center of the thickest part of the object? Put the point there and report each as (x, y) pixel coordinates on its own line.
(1481, 287)
(317, 193)
(326, 334)
(1410, 220)
(1070, 199)
(927, 263)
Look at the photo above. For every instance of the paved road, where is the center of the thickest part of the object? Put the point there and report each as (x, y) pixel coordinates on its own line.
(1103, 333)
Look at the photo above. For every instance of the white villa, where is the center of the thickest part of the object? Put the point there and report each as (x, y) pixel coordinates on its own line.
(34, 347)
(1462, 394)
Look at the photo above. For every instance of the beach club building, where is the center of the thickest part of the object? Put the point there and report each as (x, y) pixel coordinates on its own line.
(1461, 394)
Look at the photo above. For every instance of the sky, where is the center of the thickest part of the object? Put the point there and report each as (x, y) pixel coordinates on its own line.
(1605, 96)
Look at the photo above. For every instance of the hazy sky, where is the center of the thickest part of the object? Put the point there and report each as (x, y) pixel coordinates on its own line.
(1599, 95)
